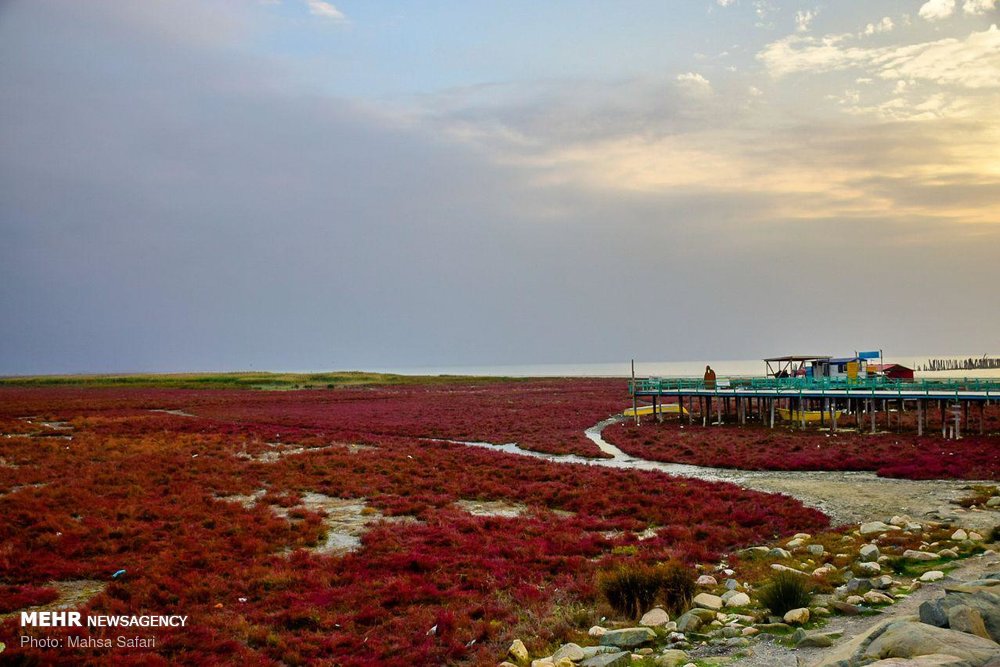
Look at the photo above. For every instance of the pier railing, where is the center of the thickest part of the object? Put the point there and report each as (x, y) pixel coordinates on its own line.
(656, 385)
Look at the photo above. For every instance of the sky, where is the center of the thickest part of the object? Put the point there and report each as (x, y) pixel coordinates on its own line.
(307, 185)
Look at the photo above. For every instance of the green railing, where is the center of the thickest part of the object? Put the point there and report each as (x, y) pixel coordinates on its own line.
(807, 384)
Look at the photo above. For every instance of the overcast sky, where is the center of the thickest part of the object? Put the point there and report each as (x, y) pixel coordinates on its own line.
(298, 184)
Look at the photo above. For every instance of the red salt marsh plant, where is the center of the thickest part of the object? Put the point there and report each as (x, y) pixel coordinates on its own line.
(899, 454)
(196, 526)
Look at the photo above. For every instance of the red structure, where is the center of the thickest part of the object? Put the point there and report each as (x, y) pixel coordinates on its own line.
(895, 371)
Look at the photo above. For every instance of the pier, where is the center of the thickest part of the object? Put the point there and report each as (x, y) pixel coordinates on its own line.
(830, 402)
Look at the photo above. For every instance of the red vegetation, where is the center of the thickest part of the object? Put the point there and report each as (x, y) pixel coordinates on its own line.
(13, 598)
(901, 454)
(140, 491)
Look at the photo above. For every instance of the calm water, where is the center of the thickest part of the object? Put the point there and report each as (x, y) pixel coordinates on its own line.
(738, 367)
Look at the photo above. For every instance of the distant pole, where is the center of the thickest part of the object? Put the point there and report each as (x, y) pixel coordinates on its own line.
(635, 407)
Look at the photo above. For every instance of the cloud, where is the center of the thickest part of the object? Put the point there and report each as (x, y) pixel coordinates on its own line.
(885, 25)
(725, 3)
(694, 84)
(936, 10)
(326, 10)
(803, 18)
(976, 7)
(969, 63)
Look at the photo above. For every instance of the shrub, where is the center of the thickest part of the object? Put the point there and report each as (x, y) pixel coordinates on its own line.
(784, 592)
(631, 589)
(678, 587)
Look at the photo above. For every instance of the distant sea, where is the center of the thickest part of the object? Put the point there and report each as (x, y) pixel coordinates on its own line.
(722, 367)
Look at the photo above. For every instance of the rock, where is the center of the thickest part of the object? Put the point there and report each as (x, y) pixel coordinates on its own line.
(911, 554)
(749, 632)
(816, 549)
(654, 618)
(591, 651)
(543, 662)
(858, 586)
(874, 597)
(571, 651)
(959, 535)
(947, 553)
(933, 660)
(969, 620)
(797, 616)
(596, 631)
(795, 543)
(882, 583)
(933, 612)
(932, 575)
(869, 553)
(706, 580)
(845, 608)
(868, 569)
(620, 659)
(628, 637)
(707, 601)
(876, 528)
(671, 658)
(909, 638)
(519, 651)
(993, 502)
(817, 640)
(974, 536)
(778, 552)
(732, 584)
(784, 568)
(854, 599)
(824, 570)
(899, 521)
(983, 598)
(738, 600)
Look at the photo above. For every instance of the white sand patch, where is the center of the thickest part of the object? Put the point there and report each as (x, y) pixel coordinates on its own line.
(493, 508)
(176, 413)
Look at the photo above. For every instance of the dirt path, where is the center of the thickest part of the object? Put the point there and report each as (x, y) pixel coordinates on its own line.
(846, 497)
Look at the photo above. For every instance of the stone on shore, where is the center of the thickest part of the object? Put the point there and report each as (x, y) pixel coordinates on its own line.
(707, 601)
(798, 616)
(628, 637)
(654, 618)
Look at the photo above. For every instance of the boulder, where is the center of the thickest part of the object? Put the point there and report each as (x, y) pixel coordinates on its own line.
(933, 660)
(868, 569)
(654, 618)
(911, 554)
(706, 580)
(798, 616)
(519, 652)
(969, 620)
(778, 552)
(932, 575)
(816, 549)
(817, 640)
(571, 651)
(671, 658)
(869, 553)
(620, 659)
(909, 639)
(874, 597)
(845, 608)
(628, 637)
(876, 528)
(960, 535)
(738, 600)
(707, 601)
(596, 631)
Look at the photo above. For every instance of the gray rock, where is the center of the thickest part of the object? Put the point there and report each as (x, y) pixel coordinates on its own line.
(778, 552)
(933, 660)
(628, 637)
(868, 569)
(933, 612)
(858, 586)
(620, 659)
(591, 651)
(732, 584)
(908, 639)
(817, 640)
(869, 553)
(968, 620)
(571, 651)
(882, 583)
(911, 554)
(738, 600)
(654, 618)
(816, 549)
(671, 658)
(876, 528)
(707, 601)
(845, 608)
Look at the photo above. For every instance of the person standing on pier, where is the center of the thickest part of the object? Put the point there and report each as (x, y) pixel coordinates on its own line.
(709, 378)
